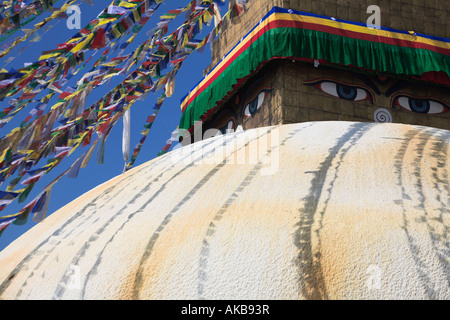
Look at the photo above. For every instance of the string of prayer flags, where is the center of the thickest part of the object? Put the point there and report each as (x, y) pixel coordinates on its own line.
(144, 133)
(24, 147)
(4, 223)
(64, 48)
(168, 80)
(150, 121)
(27, 136)
(6, 198)
(38, 205)
(12, 18)
(173, 138)
(38, 26)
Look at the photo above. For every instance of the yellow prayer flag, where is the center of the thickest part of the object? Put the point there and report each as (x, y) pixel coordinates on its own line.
(56, 105)
(74, 143)
(103, 21)
(82, 44)
(136, 15)
(49, 55)
(2, 157)
(127, 4)
(116, 33)
(88, 155)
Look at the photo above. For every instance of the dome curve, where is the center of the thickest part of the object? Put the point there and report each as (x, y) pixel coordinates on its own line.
(318, 210)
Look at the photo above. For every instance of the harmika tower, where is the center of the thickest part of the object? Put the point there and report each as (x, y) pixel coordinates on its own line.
(288, 61)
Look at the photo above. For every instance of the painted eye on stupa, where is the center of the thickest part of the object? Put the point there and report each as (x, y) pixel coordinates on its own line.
(341, 90)
(424, 106)
(229, 127)
(253, 106)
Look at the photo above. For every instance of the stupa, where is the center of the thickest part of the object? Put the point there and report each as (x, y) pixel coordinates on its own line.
(319, 170)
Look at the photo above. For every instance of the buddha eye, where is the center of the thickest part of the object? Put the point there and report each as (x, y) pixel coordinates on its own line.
(424, 106)
(342, 91)
(229, 127)
(253, 106)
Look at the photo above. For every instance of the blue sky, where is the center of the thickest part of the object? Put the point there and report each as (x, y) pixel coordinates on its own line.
(94, 174)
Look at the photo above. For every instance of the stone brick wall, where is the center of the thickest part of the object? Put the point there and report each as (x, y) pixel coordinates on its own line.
(268, 80)
(300, 92)
(233, 32)
(303, 97)
(422, 16)
(296, 98)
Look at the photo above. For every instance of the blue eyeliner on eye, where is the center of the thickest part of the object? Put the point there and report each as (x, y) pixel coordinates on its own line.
(341, 90)
(423, 106)
(250, 108)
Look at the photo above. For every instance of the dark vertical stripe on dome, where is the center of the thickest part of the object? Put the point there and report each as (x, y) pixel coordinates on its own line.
(425, 217)
(309, 260)
(412, 244)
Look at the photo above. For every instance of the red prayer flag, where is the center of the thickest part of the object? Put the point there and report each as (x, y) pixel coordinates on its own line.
(99, 39)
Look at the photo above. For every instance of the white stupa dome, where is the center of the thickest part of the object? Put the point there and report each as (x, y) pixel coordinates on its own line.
(320, 210)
